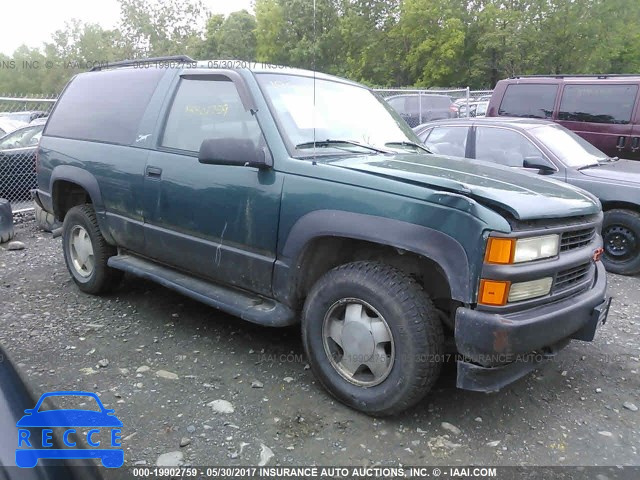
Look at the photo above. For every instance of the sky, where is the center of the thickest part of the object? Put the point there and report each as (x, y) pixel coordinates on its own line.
(32, 22)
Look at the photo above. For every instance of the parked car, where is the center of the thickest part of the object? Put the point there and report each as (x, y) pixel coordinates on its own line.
(476, 109)
(8, 126)
(26, 116)
(18, 162)
(232, 186)
(416, 108)
(39, 121)
(602, 109)
(553, 151)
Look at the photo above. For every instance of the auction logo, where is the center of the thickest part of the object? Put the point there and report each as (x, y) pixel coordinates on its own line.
(36, 432)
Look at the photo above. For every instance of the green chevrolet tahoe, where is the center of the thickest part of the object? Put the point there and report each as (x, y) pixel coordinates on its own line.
(287, 197)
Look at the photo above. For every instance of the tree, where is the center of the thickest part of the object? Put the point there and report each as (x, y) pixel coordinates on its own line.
(230, 38)
(153, 28)
(290, 32)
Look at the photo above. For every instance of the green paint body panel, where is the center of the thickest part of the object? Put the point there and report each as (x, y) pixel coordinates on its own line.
(231, 224)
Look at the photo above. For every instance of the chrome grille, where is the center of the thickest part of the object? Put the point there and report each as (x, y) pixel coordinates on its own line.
(577, 239)
(570, 277)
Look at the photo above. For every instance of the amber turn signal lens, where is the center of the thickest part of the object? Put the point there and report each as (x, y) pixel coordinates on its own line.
(493, 292)
(500, 250)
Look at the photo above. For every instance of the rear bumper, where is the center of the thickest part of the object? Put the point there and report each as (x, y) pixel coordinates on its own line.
(502, 348)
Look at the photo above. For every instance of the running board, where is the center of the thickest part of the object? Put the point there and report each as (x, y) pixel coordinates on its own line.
(247, 306)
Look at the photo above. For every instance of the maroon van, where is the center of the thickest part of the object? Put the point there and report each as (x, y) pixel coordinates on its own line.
(603, 109)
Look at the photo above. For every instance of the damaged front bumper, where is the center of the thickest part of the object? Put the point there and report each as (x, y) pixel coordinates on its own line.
(500, 349)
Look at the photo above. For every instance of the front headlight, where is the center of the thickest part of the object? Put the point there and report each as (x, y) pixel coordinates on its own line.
(536, 248)
(532, 289)
(511, 250)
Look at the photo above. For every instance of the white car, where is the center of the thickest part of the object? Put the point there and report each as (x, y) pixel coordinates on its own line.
(7, 126)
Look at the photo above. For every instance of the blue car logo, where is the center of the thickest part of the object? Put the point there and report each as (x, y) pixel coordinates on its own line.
(36, 430)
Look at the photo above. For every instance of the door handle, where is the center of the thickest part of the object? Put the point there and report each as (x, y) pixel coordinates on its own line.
(635, 145)
(154, 172)
(621, 142)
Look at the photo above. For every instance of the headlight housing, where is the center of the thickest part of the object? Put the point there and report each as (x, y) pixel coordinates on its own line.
(511, 250)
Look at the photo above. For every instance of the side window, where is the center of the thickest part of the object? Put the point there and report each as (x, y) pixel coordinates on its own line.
(411, 104)
(448, 141)
(528, 100)
(19, 139)
(502, 146)
(598, 103)
(104, 106)
(208, 108)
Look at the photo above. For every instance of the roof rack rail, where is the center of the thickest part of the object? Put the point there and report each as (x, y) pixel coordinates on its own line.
(130, 63)
(580, 75)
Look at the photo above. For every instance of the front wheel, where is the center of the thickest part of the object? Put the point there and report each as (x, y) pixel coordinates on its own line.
(373, 337)
(86, 252)
(621, 237)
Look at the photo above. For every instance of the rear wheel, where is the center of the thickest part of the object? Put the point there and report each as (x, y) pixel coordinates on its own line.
(86, 252)
(373, 337)
(621, 236)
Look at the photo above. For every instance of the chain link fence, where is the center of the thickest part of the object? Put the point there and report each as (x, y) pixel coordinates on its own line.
(421, 106)
(22, 120)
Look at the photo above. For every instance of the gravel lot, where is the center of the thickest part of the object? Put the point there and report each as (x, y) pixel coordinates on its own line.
(159, 359)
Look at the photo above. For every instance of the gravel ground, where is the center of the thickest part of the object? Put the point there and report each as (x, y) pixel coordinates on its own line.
(160, 360)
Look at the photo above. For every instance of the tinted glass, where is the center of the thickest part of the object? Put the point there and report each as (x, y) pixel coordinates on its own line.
(104, 106)
(598, 103)
(397, 103)
(528, 100)
(204, 109)
(503, 146)
(435, 101)
(448, 141)
(411, 104)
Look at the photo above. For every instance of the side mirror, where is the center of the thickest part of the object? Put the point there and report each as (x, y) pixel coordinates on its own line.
(539, 163)
(234, 151)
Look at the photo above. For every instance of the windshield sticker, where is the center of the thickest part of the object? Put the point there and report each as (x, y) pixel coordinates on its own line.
(208, 110)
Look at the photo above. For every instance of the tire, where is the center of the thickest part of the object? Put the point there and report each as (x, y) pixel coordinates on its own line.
(621, 235)
(45, 220)
(408, 364)
(86, 252)
(6, 221)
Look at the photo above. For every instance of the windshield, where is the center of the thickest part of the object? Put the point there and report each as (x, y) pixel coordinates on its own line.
(342, 112)
(571, 149)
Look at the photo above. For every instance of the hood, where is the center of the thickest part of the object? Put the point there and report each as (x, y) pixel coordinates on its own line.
(524, 196)
(624, 171)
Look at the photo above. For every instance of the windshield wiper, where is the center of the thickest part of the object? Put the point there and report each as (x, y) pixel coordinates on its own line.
(330, 143)
(590, 165)
(407, 144)
(608, 159)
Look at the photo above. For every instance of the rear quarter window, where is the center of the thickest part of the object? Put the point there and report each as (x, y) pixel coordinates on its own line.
(598, 103)
(528, 100)
(104, 106)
